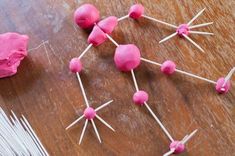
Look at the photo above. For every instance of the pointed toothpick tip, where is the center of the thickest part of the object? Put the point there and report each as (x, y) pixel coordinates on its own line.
(195, 131)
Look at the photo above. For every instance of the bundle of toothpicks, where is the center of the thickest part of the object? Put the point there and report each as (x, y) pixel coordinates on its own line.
(17, 138)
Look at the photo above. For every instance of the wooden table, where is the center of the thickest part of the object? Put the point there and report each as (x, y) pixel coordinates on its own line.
(47, 93)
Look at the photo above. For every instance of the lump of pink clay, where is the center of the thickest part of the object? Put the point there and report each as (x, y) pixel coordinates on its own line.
(136, 11)
(13, 49)
(75, 65)
(97, 36)
(140, 97)
(178, 146)
(182, 29)
(219, 86)
(168, 67)
(89, 113)
(127, 57)
(86, 16)
(108, 24)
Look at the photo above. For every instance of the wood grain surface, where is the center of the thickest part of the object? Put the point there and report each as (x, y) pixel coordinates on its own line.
(47, 93)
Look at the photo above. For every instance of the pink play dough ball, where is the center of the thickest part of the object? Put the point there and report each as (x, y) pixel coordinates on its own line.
(89, 113)
(127, 57)
(219, 85)
(182, 29)
(140, 97)
(168, 67)
(108, 24)
(97, 36)
(13, 49)
(178, 146)
(86, 16)
(136, 11)
(75, 65)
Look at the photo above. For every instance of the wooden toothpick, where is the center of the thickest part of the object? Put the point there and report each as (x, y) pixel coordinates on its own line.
(83, 90)
(96, 131)
(195, 17)
(134, 79)
(200, 25)
(83, 131)
(159, 122)
(194, 43)
(85, 51)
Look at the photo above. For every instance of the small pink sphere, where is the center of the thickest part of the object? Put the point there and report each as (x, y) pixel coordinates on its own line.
(183, 29)
(168, 67)
(140, 97)
(136, 11)
(108, 24)
(178, 146)
(86, 16)
(89, 113)
(127, 57)
(75, 65)
(97, 36)
(219, 86)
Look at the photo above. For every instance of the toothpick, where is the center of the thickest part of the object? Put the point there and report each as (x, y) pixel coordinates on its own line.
(76, 121)
(103, 105)
(169, 152)
(17, 137)
(123, 17)
(168, 37)
(190, 136)
(82, 88)
(159, 21)
(200, 25)
(228, 77)
(195, 76)
(185, 137)
(151, 62)
(34, 134)
(21, 138)
(104, 122)
(83, 131)
(195, 17)
(8, 134)
(96, 131)
(112, 40)
(86, 50)
(201, 33)
(134, 79)
(26, 137)
(195, 44)
(7, 149)
(159, 122)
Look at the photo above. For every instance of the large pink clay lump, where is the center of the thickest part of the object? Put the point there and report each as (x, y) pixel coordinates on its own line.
(127, 57)
(86, 16)
(13, 49)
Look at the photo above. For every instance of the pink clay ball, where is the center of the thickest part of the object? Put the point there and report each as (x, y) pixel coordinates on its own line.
(136, 11)
(89, 113)
(219, 86)
(127, 57)
(182, 29)
(86, 16)
(178, 146)
(140, 97)
(168, 67)
(75, 65)
(97, 36)
(108, 24)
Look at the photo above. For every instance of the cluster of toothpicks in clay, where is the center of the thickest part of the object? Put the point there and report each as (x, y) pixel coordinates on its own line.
(127, 57)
